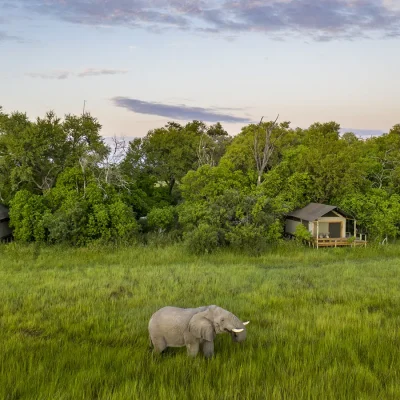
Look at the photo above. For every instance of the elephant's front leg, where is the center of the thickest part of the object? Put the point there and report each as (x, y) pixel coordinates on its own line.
(193, 348)
(208, 349)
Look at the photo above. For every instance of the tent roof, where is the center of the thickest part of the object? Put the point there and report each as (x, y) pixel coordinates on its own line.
(313, 211)
(3, 212)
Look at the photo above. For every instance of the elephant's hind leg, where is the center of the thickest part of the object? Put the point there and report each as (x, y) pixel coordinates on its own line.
(159, 344)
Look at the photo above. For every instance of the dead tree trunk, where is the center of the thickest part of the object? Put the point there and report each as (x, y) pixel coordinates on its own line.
(262, 156)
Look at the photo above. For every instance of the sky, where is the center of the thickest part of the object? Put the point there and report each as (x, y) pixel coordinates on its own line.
(138, 64)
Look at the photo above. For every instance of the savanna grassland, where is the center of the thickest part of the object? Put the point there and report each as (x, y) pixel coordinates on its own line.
(324, 324)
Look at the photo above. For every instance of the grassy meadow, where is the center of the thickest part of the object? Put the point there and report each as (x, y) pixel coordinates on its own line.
(324, 324)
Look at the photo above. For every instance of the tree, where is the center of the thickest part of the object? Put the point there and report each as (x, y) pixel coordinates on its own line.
(333, 167)
(32, 154)
(222, 208)
(376, 211)
(166, 154)
(246, 152)
(212, 145)
(75, 211)
(384, 160)
(263, 150)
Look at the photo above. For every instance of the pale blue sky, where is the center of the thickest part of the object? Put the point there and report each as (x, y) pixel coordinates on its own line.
(139, 64)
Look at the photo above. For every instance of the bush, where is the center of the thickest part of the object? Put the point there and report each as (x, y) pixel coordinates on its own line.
(302, 233)
(26, 217)
(249, 238)
(203, 239)
(161, 219)
(65, 225)
(274, 232)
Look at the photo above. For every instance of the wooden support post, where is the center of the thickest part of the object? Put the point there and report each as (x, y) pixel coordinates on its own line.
(355, 228)
(317, 232)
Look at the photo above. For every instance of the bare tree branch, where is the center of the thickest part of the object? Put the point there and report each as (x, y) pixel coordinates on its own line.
(262, 157)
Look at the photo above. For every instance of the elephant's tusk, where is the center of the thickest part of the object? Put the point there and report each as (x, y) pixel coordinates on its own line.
(237, 330)
(245, 323)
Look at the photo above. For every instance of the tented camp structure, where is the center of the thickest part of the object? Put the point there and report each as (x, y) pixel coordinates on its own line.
(328, 225)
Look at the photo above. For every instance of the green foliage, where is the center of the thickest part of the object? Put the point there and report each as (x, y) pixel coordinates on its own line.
(241, 153)
(33, 154)
(166, 154)
(65, 224)
(274, 231)
(302, 233)
(287, 191)
(64, 185)
(207, 183)
(123, 225)
(161, 219)
(27, 214)
(377, 211)
(88, 214)
(203, 239)
(249, 238)
(76, 211)
(224, 202)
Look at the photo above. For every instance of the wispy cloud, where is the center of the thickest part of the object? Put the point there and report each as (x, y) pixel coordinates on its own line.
(97, 72)
(180, 112)
(49, 75)
(321, 20)
(82, 74)
(6, 37)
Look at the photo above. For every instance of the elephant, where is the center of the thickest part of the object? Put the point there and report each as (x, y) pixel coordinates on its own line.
(193, 328)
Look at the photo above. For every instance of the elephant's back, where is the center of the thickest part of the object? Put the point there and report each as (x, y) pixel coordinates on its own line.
(170, 316)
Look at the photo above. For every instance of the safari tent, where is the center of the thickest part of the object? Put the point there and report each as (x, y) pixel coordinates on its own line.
(5, 230)
(328, 225)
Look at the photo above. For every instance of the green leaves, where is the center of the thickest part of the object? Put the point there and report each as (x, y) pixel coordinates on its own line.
(166, 154)
(161, 219)
(27, 217)
(377, 210)
(64, 185)
(33, 154)
(223, 203)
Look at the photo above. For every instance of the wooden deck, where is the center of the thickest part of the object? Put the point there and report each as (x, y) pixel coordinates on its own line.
(337, 242)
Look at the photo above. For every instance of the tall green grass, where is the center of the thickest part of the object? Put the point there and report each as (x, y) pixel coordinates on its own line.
(324, 323)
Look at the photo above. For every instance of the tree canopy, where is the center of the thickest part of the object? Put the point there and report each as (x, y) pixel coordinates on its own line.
(190, 182)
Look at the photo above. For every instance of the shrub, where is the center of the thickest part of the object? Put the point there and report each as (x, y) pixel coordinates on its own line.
(203, 239)
(302, 233)
(161, 219)
(249, 238)
(26, 217)
(65, 224)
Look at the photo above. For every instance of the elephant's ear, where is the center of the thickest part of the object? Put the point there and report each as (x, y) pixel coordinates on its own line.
(201, 327)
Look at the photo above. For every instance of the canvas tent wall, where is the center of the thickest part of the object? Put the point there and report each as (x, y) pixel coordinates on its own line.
(320, 220)
(5, 230)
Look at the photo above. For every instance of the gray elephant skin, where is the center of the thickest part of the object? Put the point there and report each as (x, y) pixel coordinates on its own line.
(194, 328)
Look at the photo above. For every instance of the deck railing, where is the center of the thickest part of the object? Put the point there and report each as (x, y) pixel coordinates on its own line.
(337, 242)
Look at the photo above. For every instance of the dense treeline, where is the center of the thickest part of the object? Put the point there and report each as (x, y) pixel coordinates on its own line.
(190, 182)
